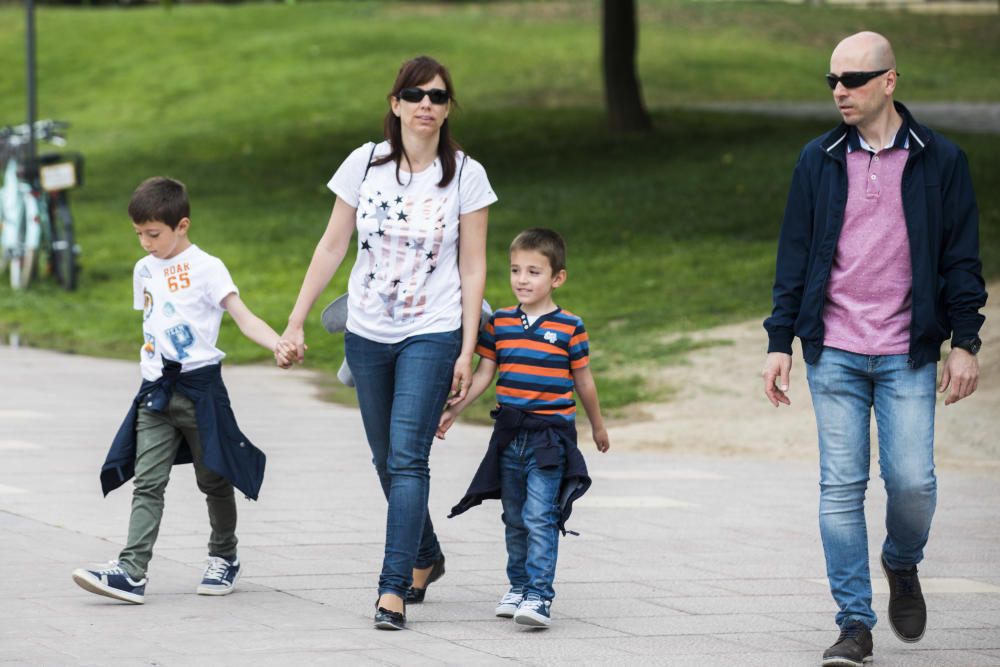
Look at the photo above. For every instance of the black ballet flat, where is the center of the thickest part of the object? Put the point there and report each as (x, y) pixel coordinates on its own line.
(416, 595)
(389, 620)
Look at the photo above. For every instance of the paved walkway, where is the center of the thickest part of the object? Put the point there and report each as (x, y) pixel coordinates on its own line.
(681, 561)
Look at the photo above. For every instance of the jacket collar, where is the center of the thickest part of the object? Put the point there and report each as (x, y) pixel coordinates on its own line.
(835, 143)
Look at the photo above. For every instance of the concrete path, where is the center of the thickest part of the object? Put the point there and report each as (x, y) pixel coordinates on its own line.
(974, 117)
(680, 561)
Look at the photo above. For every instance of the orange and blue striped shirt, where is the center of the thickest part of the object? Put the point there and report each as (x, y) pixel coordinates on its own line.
(536, 361)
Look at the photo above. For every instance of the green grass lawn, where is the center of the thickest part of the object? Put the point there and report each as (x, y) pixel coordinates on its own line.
(254, 106)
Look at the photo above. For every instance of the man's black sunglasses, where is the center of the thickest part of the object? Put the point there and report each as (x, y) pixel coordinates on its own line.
(437, 95)
(852, 79)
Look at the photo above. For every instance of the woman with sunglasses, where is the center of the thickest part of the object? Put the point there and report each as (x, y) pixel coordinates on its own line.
(419, 205)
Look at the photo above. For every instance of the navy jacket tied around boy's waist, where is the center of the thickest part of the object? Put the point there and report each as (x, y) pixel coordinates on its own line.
(549, 436)
(226, 451)
(942, 223)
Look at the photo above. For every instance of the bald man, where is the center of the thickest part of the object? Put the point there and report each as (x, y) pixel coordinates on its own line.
(878, 264)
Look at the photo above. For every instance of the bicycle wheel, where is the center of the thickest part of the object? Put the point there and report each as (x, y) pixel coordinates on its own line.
(63, 246)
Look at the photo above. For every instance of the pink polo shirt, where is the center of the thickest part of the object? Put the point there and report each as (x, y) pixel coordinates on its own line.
(868, 293)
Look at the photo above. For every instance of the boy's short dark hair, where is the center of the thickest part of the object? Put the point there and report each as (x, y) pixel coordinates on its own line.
(545, 241)
(159, 199)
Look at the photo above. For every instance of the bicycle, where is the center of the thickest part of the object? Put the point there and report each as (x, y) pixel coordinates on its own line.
(34, 207)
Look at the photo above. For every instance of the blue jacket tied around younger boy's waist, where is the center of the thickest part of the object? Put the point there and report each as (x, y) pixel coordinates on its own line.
(549, 436)
(225, 450)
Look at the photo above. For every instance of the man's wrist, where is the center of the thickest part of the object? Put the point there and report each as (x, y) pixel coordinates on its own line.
(972, 344)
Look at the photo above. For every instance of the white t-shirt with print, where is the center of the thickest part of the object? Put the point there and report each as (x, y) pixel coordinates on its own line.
(405, 280)
(180, 299)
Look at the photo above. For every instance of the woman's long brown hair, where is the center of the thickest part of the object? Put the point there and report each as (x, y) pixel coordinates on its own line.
(414, 72)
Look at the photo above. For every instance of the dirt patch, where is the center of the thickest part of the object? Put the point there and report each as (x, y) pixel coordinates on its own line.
(719, 407)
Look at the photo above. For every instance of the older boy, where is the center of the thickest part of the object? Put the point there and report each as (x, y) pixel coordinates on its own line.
(181, 413)
(532, 463)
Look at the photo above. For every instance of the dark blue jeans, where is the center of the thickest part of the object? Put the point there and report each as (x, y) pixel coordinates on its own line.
(402, 388)
(530, 498)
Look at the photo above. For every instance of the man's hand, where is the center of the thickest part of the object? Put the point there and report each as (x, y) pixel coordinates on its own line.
(777, 369)
(961, 372)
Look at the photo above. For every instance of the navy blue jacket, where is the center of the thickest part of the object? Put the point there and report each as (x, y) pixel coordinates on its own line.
(225, 450)
(942, 222)
(549, 436)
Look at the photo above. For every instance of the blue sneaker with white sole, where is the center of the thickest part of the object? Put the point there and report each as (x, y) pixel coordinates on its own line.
(111, 581)
(220, 576)
(533, 612)
(509, 603)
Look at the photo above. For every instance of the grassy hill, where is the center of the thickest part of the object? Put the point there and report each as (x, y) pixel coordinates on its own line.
(255, 105)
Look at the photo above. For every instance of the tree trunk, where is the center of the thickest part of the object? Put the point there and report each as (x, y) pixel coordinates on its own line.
(622, 93)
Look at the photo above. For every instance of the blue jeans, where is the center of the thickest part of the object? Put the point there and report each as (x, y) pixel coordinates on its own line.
(401, 389)
(845, 387)
(530, 498)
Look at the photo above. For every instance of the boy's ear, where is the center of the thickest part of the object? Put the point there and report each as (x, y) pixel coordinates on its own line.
(183, 225)
(559, 278)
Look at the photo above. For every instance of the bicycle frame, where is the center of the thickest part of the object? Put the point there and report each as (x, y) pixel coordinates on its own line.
(22, 229)
(34, 208)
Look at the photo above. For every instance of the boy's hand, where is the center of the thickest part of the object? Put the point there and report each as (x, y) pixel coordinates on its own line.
(601, 439)
(447, 419)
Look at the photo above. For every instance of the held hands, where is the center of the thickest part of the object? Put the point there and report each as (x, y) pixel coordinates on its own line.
(284, 353)
(293, 341)
(777, 370)
(961, 372)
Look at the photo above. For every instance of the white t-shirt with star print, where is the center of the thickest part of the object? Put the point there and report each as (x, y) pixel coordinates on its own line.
(405, 280)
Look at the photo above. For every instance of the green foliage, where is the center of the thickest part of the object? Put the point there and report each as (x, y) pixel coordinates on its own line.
(254, 107)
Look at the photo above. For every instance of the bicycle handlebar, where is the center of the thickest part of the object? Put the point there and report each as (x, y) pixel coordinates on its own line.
(45, 130)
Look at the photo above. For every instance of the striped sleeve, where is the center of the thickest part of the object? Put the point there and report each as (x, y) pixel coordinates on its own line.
(579, 347)
(487, 345)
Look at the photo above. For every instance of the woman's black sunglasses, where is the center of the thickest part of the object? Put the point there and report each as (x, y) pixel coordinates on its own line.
(437, 95)
(852, 79)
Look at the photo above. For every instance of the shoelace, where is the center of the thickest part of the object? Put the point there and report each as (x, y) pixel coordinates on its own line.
(852, 631)
(112, 568)
(534, 603)
(511, 598)
(217, 568)
(906, 585)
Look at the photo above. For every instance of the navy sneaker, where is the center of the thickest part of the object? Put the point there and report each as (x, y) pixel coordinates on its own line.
(111, 581)
(533, 612)
(220, 576)
(509, 603)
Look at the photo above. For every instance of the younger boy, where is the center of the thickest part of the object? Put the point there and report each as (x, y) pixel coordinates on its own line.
(532, 463)
(181, 413)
